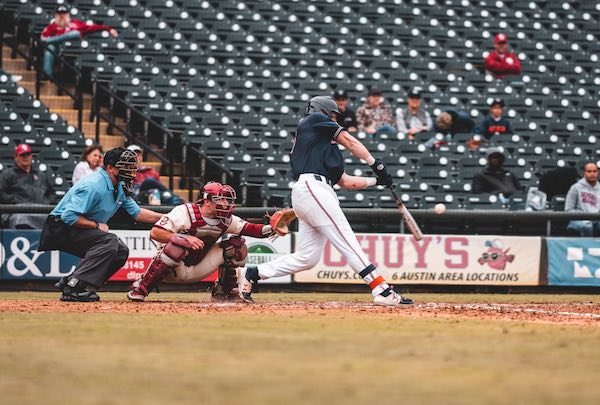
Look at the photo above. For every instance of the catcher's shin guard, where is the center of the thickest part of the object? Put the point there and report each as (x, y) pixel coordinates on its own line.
(173, 252)
(225, 288)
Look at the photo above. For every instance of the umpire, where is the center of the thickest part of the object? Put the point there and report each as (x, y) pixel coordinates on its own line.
(77, 225)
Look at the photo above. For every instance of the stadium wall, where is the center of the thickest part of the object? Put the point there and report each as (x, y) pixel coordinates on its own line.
(455, 260)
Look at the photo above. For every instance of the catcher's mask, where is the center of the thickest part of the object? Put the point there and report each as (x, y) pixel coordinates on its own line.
(126, 161)
(224, 198)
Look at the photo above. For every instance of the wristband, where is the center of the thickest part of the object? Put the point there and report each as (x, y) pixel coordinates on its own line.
(371, 181)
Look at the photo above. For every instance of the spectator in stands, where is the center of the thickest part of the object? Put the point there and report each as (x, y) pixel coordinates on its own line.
(413, 119)
(347, 118)
(23, 184)
(63, 29)
(147, 180)
(492, 125)
(89, 162)
(495, 179)
(584, 196)
(375, 116)
(449, 123)
(500, 62)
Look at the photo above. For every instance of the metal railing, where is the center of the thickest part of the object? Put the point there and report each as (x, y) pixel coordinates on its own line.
(205, 160)
(109, 116)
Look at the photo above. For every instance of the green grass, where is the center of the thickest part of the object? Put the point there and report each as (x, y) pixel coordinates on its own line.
(294, 358)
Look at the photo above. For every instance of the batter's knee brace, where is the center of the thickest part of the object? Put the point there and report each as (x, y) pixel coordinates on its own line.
(235, 251)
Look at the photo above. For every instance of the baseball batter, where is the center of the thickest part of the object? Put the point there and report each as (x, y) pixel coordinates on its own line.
(187, 248)
(318, 164)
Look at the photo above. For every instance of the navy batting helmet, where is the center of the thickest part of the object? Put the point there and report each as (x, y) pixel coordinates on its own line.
(322, 104)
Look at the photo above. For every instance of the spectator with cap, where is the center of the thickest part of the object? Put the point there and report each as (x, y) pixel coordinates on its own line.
(500, 62)
(448, 124)
(89, 162)
(495, 179)
(584, 196)
(347, 117)
(24, 184)
(413, 119)
(493, 124)
(63, 29)
(375, 117)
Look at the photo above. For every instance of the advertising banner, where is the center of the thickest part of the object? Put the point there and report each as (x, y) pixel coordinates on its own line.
(573, 262)
(437, 259)
(19, 258)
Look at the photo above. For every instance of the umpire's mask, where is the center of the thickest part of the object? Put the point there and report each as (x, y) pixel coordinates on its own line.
(128, 166)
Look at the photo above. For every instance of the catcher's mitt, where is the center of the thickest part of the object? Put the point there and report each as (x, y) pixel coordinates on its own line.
(280, 220)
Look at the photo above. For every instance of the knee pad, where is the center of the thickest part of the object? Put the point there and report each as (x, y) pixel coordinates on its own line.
(235, 251)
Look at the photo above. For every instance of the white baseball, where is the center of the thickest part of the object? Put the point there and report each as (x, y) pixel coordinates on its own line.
(439, 208)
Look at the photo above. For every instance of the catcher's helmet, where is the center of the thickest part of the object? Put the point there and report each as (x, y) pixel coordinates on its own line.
(126, 161)
(322, 104)
(223, 196)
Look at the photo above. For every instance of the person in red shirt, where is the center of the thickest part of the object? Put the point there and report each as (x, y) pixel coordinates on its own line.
(63, 29)
(500, 62)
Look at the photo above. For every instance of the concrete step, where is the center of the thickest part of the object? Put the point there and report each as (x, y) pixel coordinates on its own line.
(109, 142)
(184, 193)
(46, 88)
(89, 128)
(155, 165)
(68, 115)
(14, 65)
(57, 102)
(165, 180)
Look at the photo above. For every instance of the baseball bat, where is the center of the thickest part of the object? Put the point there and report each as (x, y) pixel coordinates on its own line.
(410, 222)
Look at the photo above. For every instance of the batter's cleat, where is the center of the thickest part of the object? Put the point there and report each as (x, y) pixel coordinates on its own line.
(80, 296)
(136, 293)
(244, 285)
(392, 300)
(62, 283)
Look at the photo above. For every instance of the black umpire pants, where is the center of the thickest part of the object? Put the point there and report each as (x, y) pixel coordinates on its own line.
(102, 253)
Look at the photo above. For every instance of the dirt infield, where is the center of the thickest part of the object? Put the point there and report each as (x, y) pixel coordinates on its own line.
(557, 313)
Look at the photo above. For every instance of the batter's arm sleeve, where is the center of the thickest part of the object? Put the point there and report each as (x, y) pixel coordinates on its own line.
(571, 199)
(82, 200)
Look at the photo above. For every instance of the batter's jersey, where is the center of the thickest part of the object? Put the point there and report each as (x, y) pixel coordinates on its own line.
(186, 219)
(315, 149)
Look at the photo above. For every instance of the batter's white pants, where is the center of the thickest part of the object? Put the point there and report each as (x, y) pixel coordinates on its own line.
(320, 219)
(193, 274)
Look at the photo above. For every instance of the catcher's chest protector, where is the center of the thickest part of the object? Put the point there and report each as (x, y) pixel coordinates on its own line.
(208, 233)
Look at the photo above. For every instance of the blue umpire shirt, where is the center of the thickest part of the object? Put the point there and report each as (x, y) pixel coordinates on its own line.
(93, 197)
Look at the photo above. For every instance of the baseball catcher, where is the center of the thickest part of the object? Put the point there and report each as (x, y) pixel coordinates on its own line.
(187, 243)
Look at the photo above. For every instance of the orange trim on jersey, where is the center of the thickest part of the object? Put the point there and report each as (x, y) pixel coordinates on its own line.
(376, 282)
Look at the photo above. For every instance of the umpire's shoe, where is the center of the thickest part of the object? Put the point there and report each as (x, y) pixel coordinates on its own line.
(245, 281)
(62, 283)
(392, 300)
(75, 291)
